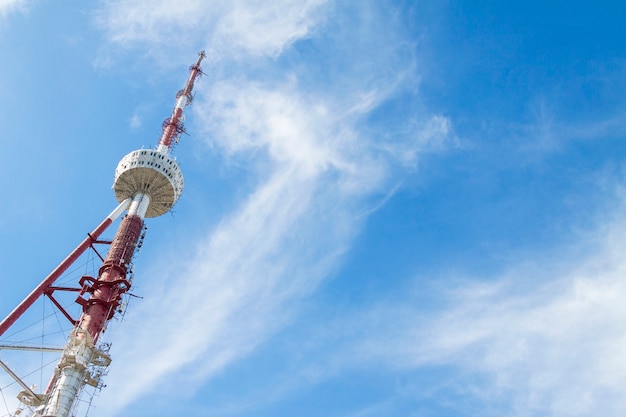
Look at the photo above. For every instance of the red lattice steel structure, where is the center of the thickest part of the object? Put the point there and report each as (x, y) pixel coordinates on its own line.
(148, 182)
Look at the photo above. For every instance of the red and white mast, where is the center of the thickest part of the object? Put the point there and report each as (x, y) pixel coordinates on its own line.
(147, 183)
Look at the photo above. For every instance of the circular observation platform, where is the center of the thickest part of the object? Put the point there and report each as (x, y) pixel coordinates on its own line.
(149, 172)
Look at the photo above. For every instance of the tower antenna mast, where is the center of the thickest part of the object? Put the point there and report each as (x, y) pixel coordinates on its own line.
(173, 126)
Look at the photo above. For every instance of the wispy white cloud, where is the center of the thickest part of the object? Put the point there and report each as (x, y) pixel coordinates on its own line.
(135, 121)
(548, 131)
(544, 337)
(228, 29)
(286, 237)
(262, 28)
(10, 6)
(238, 287)
(317, 162)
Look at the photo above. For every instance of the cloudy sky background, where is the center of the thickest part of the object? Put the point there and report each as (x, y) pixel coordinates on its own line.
(392, 208)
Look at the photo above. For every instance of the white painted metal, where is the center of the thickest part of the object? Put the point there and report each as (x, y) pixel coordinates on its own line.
(164, 149)
(152, 173)
(181, 102)
(31, 348)
(27, 396)
(139, 205)
(71, 374)
(119, 210)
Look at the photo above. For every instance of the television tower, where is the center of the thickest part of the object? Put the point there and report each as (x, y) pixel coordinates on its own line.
(147, 183)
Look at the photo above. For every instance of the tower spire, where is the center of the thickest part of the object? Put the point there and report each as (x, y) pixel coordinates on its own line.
(173, 126)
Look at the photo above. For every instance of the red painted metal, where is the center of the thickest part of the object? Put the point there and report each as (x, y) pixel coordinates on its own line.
(61, 308)
(54, 275)
(173, 126)
(106, 291)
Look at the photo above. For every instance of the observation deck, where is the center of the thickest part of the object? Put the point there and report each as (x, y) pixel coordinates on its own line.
(149, 172)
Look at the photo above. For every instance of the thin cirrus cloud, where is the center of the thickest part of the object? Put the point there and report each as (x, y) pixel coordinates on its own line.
(544, 337)
(227, 28)
(318, 164)
(10, 6)
(279, 244)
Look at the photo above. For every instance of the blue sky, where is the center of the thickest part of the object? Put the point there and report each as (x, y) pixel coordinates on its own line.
(392, 208)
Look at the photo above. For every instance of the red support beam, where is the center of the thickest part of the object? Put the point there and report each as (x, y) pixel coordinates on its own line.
(60, 307)
(54, 275)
